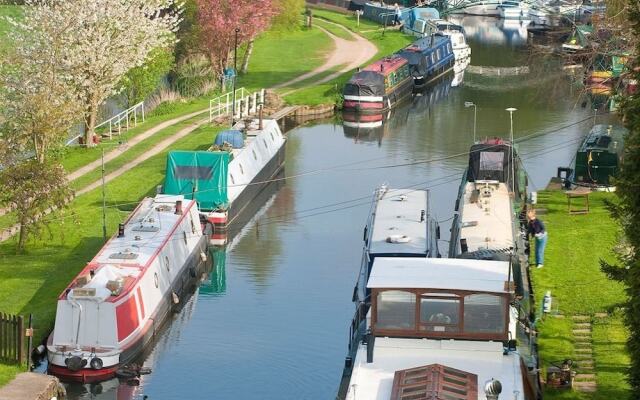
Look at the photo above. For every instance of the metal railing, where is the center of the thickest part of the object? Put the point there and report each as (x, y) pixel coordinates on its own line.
(117, 120)
(246, 103)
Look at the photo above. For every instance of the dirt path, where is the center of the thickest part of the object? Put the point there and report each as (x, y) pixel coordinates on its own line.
(349, 53)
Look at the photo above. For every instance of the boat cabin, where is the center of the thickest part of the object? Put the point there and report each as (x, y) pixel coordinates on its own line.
(599, 156)
(437, 328)
(440, 298)
(429, 57)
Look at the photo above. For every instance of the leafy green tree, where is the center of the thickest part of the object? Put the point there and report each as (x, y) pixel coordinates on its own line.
(289, 14)
(627, 212)
(188, 32)
(141, 81)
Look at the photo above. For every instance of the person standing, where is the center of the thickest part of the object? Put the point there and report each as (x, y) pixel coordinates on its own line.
(536, 228)
(398, 15)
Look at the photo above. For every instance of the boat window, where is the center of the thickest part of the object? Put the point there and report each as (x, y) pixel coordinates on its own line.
(166, 263)
(184, 236)
(449, 47)
(433, 58)
(255, 157)
(272, 138)
(266, 146)
(396, 309)
(491, 161)
(439, 314)
(233, 182)
(484, 313)
(241, 169)
(438, 50)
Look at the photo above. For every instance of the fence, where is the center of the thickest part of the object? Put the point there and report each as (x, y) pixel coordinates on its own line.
(246, 103)
(12, 338)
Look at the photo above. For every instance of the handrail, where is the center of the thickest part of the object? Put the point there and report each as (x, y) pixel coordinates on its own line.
(125, 115)
(246, 103)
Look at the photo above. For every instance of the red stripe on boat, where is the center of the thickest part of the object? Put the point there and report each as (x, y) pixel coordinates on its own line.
(378, 105)
(83, 375)
(127, 318)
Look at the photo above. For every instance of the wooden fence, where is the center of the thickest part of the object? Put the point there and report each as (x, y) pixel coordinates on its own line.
(12, 338)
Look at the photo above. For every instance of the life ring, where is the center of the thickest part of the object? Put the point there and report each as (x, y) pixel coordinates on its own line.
(398, 239)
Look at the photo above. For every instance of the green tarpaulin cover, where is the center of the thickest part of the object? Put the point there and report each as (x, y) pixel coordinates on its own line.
(201, 172)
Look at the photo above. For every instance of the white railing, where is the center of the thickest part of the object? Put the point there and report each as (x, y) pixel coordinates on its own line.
(246, 103)
(117, 120)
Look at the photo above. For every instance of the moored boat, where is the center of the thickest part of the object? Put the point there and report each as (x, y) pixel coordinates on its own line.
(119, 301)
(379, 86)
(429, 58)
(599, 156)
(227, 177)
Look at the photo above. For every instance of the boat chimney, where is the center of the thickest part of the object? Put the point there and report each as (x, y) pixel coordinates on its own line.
(492, 389)
(370, 339)
(178, 207)
(120, 230)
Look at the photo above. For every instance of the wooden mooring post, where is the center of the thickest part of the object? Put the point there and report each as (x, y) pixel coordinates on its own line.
(12, 335)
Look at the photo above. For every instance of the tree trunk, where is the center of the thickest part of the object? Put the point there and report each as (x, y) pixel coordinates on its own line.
(22, 237)
(247, 55)
(90, 125)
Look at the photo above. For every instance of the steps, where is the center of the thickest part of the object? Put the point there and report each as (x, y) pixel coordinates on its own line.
(585, 379)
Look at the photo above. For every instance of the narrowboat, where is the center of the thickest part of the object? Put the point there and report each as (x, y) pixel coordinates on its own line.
(114, 307)
(599, 156)
(429, 58)
(488, 225)
(227, 177)
(579, 42)
(379, 86)
(437, 328)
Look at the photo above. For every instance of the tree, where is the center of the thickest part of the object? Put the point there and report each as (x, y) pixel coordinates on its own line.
(141, 81)
(289, 14)
(626, 210)
(219, 19)
(103, 40)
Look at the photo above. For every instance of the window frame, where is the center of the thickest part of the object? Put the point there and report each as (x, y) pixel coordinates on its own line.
(432, 293)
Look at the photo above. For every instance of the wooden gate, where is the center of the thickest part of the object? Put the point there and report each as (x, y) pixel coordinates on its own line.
(12, 335)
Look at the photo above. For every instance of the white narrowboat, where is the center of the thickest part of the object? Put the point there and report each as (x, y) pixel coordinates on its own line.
(118, 302)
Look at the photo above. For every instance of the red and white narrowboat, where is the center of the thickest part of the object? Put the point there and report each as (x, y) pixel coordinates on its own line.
(113, 308)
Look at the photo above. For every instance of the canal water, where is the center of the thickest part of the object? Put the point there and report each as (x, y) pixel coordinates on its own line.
(270, 321)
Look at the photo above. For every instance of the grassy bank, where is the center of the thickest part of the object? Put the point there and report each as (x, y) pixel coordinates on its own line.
(387, 42)
(572, 274)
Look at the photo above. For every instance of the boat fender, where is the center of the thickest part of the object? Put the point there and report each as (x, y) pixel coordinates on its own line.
(398, 239)
(125, 373)
(203, 256)
(175, 298)
(61, 391)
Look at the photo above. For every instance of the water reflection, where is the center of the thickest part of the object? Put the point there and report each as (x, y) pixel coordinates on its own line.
(493, 31)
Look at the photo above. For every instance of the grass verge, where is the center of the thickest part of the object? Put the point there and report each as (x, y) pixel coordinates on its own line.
(572, 273)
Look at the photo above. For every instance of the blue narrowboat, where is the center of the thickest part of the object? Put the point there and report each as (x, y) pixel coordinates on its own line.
(429, 58)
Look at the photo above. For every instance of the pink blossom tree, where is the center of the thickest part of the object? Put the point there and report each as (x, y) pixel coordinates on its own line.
(219, 20)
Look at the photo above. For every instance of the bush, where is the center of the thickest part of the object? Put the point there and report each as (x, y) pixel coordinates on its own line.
(194, 76)
(289, 14)
(141, 81)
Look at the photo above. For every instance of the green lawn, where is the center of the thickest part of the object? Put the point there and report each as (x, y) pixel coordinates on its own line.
(7, 11)
(30, 283)
(572, 273)
(334, 29)
(281, 56)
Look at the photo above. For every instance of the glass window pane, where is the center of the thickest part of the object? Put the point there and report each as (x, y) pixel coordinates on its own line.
(484, 313)
(491, 161)
(439, 315)
(396, 310)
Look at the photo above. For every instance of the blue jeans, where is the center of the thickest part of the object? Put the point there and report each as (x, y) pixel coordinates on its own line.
(541, 243)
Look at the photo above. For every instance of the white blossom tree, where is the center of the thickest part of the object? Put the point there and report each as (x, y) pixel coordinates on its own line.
(103, 40)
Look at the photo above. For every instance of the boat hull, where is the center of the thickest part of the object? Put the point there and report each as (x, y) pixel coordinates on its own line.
(222, 222)
(385, 103)
(180, 286)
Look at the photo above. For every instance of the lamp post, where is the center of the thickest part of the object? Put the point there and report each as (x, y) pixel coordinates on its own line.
(235, 75)
(511, 110)
(468, 104)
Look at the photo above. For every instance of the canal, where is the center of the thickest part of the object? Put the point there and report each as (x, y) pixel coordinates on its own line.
(271, 319)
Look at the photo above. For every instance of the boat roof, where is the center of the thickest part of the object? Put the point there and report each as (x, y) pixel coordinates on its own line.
(486, 217)
(604, 138)
(374, 381)
(439, 273)
(146, 232)
(428, 43)
(386, 65)
(398, 212)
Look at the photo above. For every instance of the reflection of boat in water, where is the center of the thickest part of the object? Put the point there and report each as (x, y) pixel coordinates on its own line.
(491, 31)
